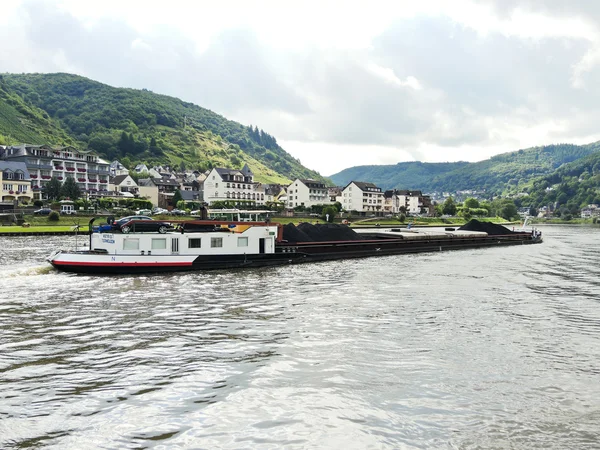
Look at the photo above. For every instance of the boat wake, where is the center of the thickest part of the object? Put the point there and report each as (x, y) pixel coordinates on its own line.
(30, 271)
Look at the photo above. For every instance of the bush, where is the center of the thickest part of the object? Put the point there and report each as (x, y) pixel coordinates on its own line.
(329, 214)
(38, 203)
(53, 216)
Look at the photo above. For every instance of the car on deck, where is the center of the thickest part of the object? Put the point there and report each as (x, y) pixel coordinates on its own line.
(141, 224)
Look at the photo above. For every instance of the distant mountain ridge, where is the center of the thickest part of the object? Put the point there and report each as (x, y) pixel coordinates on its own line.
(404, 175)
(137, 126)
(499, 174)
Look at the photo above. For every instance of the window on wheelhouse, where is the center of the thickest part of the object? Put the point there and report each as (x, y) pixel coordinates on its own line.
(195, 243)
(131, 244)
(159, 244)
(216, 242)
(242, 242)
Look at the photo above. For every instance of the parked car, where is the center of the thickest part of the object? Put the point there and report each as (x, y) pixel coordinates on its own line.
(157, 211)
(142, 224)
(42, 212)
(144, 212)
(177, 212)
(116, 225)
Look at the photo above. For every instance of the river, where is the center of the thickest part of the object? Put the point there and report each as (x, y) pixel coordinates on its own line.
(483, 348)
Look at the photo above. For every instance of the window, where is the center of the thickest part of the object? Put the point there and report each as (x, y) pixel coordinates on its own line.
(175, 245)
(242, 242)
(159, 244)
(131, 244)
(216, 242)
(195, 243)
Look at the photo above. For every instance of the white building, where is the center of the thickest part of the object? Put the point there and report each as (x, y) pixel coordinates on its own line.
(116, 169)
(44, 162)
(232, 185)
(123, 185)
(404, 201)
(590, 211)
(362, 197)
(15, 182)
(307, 193)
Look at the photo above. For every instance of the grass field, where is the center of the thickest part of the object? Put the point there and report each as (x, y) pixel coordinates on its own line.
(38, 229)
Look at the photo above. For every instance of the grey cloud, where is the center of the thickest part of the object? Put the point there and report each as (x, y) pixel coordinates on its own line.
(232, 74)
(586, 9)
(331, 96)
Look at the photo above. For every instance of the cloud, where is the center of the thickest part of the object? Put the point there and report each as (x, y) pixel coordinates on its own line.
(426, 85)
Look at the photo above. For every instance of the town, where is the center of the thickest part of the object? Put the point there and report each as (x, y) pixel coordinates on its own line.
(28, 170)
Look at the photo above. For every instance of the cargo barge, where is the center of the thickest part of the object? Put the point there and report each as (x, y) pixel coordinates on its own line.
(210, 245)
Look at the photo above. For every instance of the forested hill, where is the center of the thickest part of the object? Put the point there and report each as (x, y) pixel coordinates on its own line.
(141, 126)
(405, 175)
(569, 188)
(22, 122)
(496, 175)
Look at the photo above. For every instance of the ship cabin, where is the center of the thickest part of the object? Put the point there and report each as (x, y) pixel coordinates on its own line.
(189, 238)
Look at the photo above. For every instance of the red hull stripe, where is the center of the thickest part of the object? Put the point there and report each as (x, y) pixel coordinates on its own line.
(122, 264)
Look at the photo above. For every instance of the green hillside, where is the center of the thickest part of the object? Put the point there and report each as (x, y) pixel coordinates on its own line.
(405, 175)
(499, 174)
(502, 172)
(141, 126)
(22, 122)
(571, 187)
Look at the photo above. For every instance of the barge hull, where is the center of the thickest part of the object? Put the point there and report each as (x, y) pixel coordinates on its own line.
(285, 254)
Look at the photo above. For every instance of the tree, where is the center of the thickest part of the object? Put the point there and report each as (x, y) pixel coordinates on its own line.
(449, 207)
(471, 203)
(154, 148)
(123, 143)
(329, 214)
(508, 210)
(177, 197)
(52, 189)
(70, 189)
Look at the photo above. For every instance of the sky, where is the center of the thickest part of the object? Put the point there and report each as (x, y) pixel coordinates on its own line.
(340, 83)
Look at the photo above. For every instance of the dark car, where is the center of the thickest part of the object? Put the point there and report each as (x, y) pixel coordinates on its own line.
(42, 212)
(141, 225)
(119, 223)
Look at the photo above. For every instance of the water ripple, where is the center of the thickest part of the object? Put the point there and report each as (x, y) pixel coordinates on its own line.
(486, 348)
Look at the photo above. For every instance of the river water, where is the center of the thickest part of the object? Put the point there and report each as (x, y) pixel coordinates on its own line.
(485, 348)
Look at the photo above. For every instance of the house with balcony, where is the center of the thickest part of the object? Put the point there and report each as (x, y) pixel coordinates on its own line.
(15, 182)
(124, 185)
(590, 211)
(43, 162)
(407, 202)
(274, 193)
(232, 185)
(362, 197)
(307, 192)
